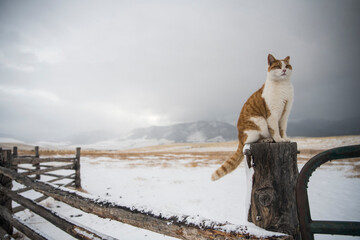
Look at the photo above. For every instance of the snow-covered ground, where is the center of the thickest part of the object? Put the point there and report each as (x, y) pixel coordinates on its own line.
(334, 194)
(175, 178)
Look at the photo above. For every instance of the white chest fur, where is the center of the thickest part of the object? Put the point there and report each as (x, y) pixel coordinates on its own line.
(278, 95)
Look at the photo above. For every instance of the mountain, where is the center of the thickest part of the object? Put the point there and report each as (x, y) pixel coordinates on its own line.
(202, 131)
(214, 131)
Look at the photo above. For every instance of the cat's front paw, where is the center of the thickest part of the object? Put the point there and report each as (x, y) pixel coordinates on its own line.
(278, 139)
(282, 140)
(266, 140)
(286, 139)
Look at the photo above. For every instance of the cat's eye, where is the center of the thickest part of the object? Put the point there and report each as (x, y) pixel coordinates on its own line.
(288, 66)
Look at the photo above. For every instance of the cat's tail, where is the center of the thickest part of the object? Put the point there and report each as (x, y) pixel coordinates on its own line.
(229, 165)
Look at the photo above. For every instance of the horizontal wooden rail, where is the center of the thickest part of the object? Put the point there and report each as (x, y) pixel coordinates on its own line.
(20, 225)
(72, 183)
(35, 160)
(65, 225)
(183, 227)
(22, 208)
(41, 171)
(21, 190)
(71, 176)
(39, 199)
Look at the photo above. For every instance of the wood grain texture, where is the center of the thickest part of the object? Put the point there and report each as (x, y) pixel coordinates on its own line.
(273, 203)
(6, 182)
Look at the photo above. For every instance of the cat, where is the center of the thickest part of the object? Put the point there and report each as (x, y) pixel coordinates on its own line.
(265, 114)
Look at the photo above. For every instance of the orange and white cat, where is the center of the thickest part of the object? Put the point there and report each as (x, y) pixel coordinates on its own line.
(265, 114)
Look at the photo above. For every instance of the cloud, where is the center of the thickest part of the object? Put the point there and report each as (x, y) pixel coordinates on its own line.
(44, 55)
(121, 65)
(30, 93)
(12, 58)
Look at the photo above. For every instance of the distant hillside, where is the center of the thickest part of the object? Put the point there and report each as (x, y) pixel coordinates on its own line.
(201, 131)
(193, 132)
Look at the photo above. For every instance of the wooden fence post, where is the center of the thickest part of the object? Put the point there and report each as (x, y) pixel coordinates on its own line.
(37, 165)
(77, 169)
(273, 202)
(7, 183)
(15, 155)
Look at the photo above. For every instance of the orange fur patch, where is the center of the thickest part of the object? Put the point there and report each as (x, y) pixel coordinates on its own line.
(255, 106)
(275, 65)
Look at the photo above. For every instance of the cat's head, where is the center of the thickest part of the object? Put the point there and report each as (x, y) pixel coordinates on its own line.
(279, 69)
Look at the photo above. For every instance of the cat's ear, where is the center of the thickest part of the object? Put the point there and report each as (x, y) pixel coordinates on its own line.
(287, 59)
(271, 59)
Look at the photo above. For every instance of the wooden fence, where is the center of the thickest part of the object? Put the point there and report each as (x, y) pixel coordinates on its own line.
(182, 227)
(49, 168)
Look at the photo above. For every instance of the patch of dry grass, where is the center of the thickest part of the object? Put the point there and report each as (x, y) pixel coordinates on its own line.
(195, 155)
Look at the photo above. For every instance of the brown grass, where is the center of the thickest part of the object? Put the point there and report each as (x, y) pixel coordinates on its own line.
(196, 154)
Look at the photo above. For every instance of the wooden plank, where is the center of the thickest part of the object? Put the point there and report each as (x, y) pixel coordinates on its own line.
(5, 182)
(33, 160)
(4, 235)
(20, 225)
(15, 154)
(77, 169)
(24, 168)
(63, 224)
(71, 176)
(37, 165)
(25, 189)
(47, 166)
(22, 208)
(39, 199)
(41, 171)
(72, 183)
(181, 227)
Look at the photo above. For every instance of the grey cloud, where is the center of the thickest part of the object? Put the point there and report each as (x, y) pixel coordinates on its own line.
(121, 65)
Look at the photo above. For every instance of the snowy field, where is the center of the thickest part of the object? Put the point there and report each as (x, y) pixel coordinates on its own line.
(180, 186)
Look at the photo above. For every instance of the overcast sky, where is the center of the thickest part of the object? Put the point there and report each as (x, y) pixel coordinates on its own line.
(77, 66)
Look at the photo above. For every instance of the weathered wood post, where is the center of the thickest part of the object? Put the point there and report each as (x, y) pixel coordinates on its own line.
(77, 168)
(37, 165)
(5, 159)
(273, 202)
(15, 155)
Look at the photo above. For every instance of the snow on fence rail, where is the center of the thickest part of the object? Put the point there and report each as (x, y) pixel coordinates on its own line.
(178, 226)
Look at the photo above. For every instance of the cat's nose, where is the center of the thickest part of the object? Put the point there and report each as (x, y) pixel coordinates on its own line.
(284, 70)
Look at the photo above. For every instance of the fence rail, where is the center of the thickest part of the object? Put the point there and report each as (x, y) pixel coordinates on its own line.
(39, 168)
(183, 227)
(34, 160)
